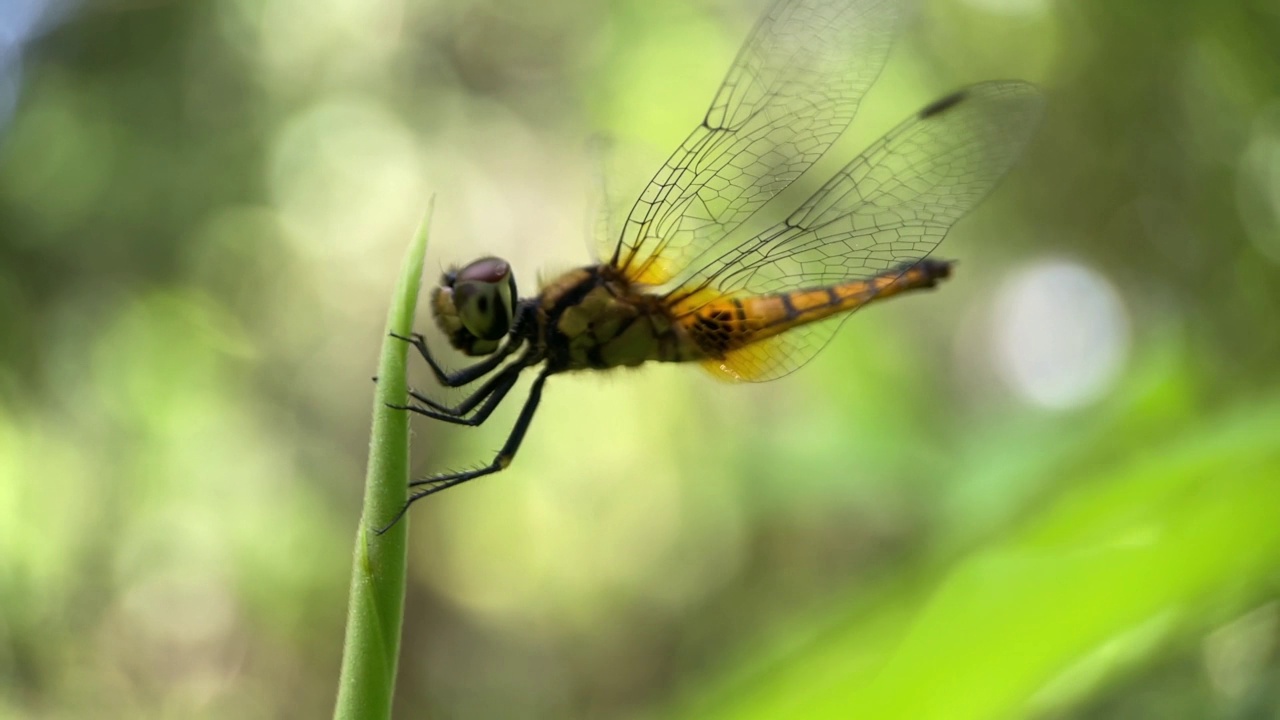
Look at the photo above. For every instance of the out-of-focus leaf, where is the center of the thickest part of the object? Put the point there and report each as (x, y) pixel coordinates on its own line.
(1180, 525)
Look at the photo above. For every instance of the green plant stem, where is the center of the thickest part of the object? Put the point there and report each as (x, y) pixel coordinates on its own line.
(375, 608)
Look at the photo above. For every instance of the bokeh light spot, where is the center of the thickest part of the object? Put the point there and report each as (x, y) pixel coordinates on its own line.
(327, 43)
(1062, 334)
(1258, 185)
(345, 173)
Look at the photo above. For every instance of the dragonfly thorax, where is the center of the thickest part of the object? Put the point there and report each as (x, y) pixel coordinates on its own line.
(475, 306)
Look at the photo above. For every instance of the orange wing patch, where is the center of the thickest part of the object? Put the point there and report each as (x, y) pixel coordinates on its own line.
(686, 305)
(773, 357)
(754, 339)
(753, 363)
(654, 271)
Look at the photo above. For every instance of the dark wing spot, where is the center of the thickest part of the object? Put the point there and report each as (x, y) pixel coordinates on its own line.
(937, 107)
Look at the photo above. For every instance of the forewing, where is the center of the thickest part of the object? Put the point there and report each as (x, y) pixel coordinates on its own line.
(792, 90)
(603, 201)
(890, 207)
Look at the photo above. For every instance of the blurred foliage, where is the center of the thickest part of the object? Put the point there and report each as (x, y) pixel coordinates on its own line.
(202, 208)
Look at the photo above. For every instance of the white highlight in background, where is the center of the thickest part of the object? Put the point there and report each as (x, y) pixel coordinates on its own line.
(1062, 334)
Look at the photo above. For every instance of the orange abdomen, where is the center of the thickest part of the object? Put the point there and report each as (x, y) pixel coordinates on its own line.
(727, 324)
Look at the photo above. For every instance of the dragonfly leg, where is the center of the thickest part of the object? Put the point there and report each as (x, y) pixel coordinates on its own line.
(465, 375)
(467, 403)
(435, 483)
(487, 397)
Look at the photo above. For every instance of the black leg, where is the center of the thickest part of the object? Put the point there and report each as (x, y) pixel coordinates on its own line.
(467, 374)
(469, 402)
(491, 393)
(435, 483)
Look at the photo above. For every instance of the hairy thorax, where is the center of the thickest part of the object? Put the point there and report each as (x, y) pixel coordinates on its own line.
(592, 318)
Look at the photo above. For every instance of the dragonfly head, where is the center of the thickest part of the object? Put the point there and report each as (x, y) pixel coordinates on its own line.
(475, 306)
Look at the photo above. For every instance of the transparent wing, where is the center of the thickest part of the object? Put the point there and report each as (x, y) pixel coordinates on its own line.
(777, 356)
(792, 90)
(889, 207)
(602, 202)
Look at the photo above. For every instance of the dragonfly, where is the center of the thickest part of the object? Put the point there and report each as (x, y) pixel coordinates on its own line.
(675, 286)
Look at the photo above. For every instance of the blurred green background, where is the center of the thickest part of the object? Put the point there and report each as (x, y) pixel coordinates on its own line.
(1050, 489)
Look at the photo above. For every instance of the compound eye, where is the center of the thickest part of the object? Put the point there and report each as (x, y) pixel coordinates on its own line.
(484, 295)
(487, 270)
